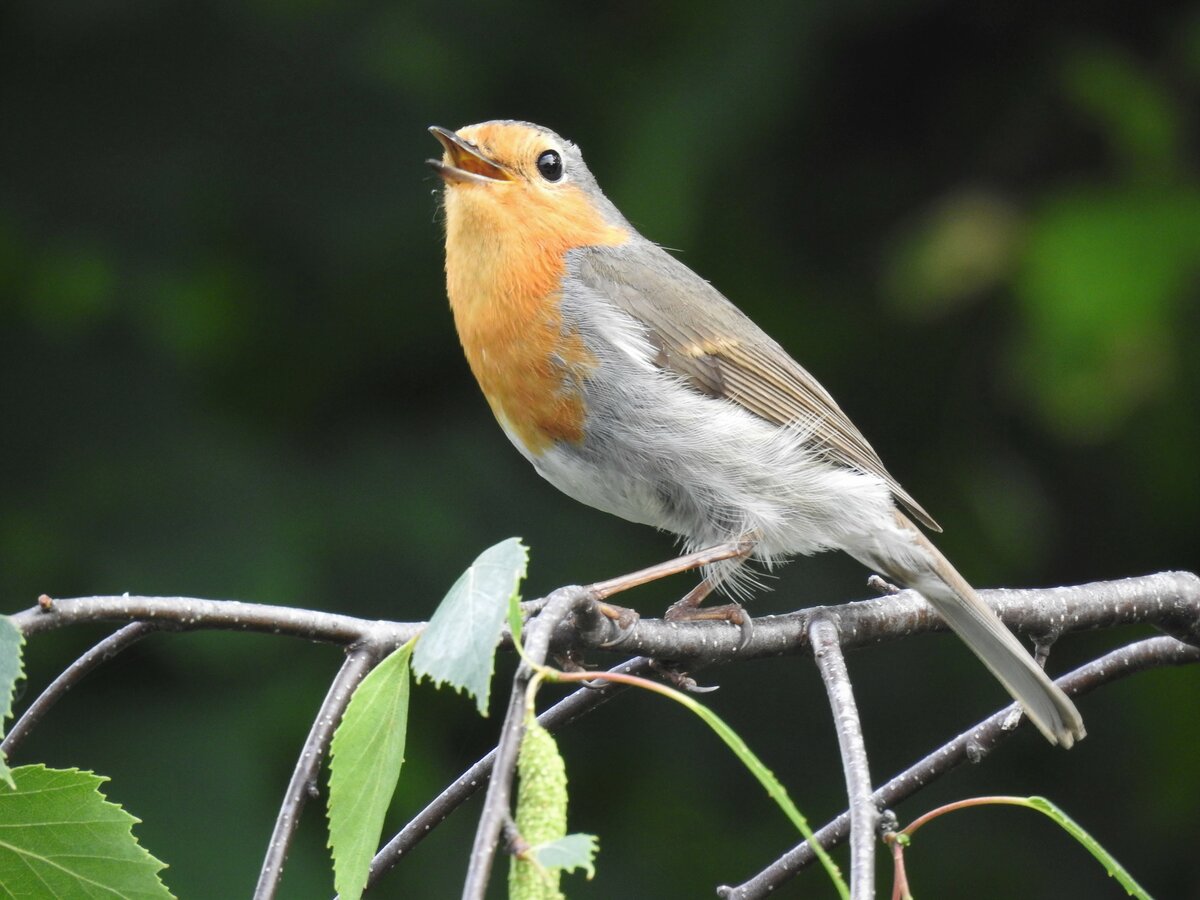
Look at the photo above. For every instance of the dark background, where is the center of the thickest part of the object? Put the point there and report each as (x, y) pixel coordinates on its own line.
(229, 371)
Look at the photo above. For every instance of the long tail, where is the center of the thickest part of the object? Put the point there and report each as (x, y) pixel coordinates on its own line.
(980, 628)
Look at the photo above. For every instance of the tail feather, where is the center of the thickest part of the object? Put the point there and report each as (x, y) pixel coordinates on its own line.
(977, 624)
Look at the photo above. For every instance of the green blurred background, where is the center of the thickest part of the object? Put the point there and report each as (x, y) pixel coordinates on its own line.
(229, 371)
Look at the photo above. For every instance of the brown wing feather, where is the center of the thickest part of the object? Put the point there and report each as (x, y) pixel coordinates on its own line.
(708, 341)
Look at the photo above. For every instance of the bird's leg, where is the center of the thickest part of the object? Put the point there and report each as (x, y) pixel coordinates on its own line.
(739, 549)
(687, 609)
(625, 618)
(688, 606)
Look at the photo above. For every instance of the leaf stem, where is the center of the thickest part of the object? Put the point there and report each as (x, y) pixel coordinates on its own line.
(739, 747)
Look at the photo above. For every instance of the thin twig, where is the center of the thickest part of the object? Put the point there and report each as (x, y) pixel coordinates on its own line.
(864, 815)
(498, 796)
(360, 659)
(496, 802)
(191, 613)
(572, 707)
(71, 676)
(972, 745)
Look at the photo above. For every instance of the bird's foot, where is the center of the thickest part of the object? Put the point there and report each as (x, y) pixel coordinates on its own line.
(886, 588)
(689, 610)
(728, 612)
(679, 679)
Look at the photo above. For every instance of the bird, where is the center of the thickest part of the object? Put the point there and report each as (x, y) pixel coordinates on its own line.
(634, 386)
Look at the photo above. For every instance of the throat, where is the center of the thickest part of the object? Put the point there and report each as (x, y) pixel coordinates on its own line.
(529, 362)
(505, 268)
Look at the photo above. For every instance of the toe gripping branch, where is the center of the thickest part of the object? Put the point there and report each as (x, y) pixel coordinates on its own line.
(623, 619)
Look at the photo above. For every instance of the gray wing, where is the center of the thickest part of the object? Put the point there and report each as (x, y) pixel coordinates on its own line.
(717, 349)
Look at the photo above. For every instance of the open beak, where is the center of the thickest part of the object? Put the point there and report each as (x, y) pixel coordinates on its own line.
(463, 162)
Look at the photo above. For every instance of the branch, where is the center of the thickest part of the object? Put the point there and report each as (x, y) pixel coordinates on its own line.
(1168, 600)
(71, 676)
(972, 746)
(190, 614)
(864, 815)
(560, 604)
(360, 659)
(571, 708)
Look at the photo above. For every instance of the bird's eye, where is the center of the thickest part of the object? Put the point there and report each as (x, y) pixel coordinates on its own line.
(550, 165)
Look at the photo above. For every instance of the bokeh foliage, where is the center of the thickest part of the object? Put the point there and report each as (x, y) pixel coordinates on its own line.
(228, 370)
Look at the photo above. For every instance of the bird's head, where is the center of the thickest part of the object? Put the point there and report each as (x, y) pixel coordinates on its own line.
(522, 180)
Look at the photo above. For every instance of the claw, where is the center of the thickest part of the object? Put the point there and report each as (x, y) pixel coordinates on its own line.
(746, 624)
(623, 620)
(681, 680)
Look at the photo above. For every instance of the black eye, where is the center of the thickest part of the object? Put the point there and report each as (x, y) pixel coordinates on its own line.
(550, 165)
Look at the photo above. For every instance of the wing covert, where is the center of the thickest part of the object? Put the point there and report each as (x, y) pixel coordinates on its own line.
(706, 340)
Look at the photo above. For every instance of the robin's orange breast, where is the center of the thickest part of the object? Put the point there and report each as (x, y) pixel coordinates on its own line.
(505, 264)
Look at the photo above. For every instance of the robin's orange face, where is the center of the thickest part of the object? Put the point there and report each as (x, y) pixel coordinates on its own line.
(513, 211)
(508, 177)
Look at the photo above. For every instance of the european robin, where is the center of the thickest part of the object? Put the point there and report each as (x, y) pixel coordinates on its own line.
(635, 387)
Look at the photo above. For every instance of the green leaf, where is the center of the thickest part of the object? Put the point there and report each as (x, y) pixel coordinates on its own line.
(515, 622)
(574, 851)
(1114, 868)
(366, 755)
(11, 671)
(459, 645)
(63, 839)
